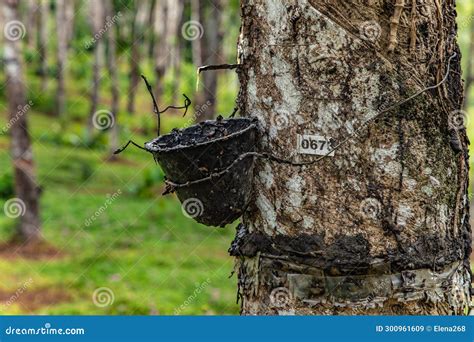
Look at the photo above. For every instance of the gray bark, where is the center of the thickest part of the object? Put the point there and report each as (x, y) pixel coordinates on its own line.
(43, 14)
(161, 48)
(62, 43)
(97, 21)
(173, 39)
(114, 81)
(138, 31)
(210, 14)
(381, 227)
(26, 188)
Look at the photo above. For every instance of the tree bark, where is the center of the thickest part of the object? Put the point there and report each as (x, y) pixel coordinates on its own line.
(210, 14)
(161, 48)
(382, 226)
(62, 34)
(138, 30)
(470, 67)
(114, 81)
(173, 40)
(43, 42)
(97, 18)
(26, 188)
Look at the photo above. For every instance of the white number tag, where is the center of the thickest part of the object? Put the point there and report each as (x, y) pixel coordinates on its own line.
(314, 144)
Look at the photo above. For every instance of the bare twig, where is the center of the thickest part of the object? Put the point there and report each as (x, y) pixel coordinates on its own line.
(120, 150)
(155, 106)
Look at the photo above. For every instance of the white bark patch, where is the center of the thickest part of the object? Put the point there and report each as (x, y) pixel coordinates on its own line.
(266, 176)
(277, 18)
(268, 213)
(295, 186)
(367, 84)
(291, 97)
(404, 213)
(385, 159)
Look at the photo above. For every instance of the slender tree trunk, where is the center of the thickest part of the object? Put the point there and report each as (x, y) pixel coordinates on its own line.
(61, 23)
(196, 12)
(161, 47)
(26, 188)
(470, 68)
(381, 226)
(43, 42)
(173, 39)
(138, 31)
(114, 81)
(32, 17)
(210, 50)
(97, 18)
(151, 32)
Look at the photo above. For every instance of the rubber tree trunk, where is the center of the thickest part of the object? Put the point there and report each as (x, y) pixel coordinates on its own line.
(161, 49)
(43, 15)
(382, 226)
(210, 14)
(97, 21)
(114, 81)
(27, 192)
(62, 33)
(173, 39)
(138, 31)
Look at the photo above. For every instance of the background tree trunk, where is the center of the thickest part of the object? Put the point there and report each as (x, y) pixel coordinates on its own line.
(26, 188)
(138, 30)
(381, 227)
(32, 19)
(210, 14)
(62, 43)
(114, 81)
(97, 21)
(43, 14)
(161, 47)
(173, 42)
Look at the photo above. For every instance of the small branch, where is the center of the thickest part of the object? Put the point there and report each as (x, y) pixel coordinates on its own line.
(120, 150)
(187, 103)
(394, 22)
(214, 67)
(155, 106)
